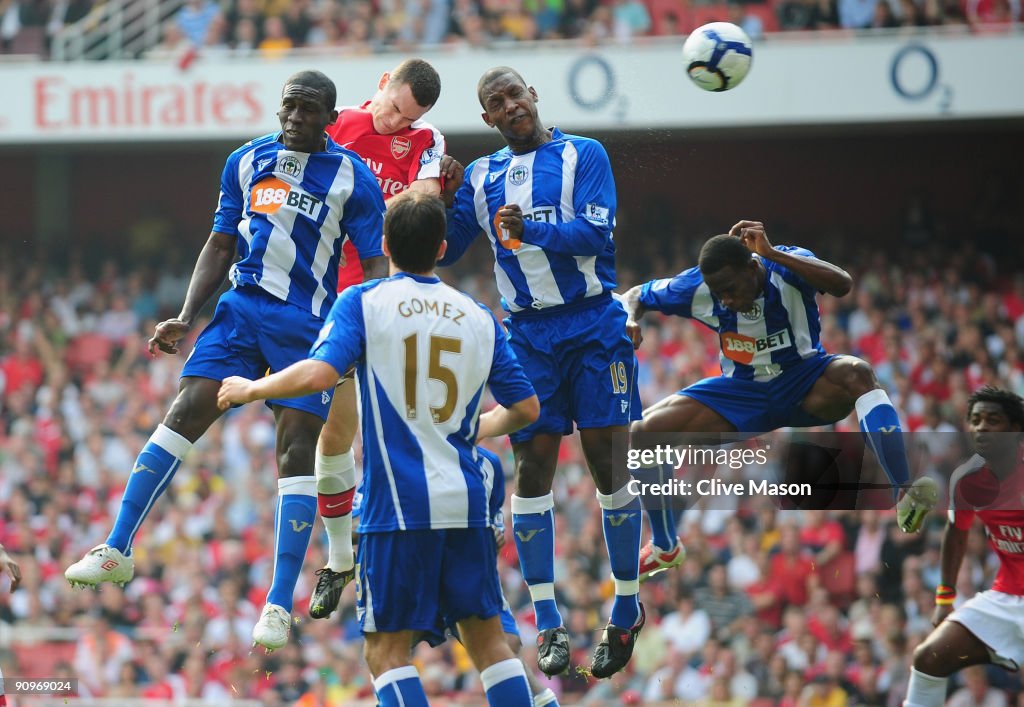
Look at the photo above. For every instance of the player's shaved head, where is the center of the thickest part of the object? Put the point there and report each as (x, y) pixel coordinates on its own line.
(421, 78)
(723, 251)
(493, 74)
(317, 81)
(414, 228)
(1011, 403)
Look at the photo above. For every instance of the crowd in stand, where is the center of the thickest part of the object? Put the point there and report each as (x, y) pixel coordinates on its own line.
(270, 28)
(787, 606)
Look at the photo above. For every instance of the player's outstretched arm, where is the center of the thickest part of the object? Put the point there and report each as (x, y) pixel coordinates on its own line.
(8, 565)
(819, 274)
(954, 547)
(502, 420)
(300, 378)
(210, 271)
(634, 313)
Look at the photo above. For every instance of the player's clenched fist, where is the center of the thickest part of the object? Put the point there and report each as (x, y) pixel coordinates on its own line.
(753, 236)
(234, 390)
(167, 335)
(634, 332)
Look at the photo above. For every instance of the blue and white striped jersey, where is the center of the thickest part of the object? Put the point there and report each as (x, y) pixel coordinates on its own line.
(424, 352)
(491, 466)
(567, 193)
(291, 212)
(780, 330)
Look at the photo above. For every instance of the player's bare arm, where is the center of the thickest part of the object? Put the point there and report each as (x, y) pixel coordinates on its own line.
(634, 313)
(8, 565)
(427, 186)
(820, 274)
(501, 421)
(954, 547)
(210, 271)
(374, 268)
(301, 378)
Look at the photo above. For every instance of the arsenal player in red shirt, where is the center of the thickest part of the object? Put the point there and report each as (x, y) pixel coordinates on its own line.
(989, 627)
(404, 152)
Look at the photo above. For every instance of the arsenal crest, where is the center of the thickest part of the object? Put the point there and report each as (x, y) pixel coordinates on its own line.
(400, 147)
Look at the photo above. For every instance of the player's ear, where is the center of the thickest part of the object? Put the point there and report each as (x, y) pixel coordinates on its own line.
(384, 246)
(332, 117)
(487, 119)
(533, 92)
(442, 249)
(384, 78)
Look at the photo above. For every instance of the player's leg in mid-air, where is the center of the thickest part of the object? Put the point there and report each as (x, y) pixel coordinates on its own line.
(848, 383)
(191, 414)
(583, 368)
(335, 473)
(949, 648)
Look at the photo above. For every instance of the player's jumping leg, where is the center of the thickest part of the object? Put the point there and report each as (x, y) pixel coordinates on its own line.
(297, 432)
(850, 382)
(533, 526)
(623, 523)
(949, 648)
(676, 414)
(501, 672)
(542, 696)
(396, 682)
(191, 414)
(335, 473)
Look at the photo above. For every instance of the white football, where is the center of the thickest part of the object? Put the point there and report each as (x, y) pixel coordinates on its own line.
(717, 56)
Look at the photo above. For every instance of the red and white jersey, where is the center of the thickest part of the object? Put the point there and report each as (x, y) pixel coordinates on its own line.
(999, 503)
(396, 160)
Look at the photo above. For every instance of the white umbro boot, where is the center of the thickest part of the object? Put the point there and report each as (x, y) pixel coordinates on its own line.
(101, 564)
(271, 631)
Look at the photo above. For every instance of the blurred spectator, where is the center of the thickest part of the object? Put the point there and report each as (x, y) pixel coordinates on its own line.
(977, 692)
(194, 20)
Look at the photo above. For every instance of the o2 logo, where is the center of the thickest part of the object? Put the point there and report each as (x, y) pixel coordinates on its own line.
(593, 87)
(914, 75)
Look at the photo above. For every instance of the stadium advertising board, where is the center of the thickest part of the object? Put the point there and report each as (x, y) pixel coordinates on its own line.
(800, 80)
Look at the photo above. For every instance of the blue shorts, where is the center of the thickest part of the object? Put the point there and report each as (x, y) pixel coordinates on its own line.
(581, 364)
(417, 580)
(253, 331)
(761, 407)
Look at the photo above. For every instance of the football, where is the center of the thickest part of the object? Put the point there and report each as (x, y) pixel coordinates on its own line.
(717, 56)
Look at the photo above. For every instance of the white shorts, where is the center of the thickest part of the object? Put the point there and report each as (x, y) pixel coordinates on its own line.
(997, 620)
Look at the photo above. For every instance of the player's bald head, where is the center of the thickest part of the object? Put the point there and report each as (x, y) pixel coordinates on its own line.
(723, 251)
(492, 75)
(317, 81)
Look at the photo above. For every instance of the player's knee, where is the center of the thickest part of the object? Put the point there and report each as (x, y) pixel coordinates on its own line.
(296, 458)
(384, 655)
(515, 644)
(334, 440)
(929, 661)
(859, 378)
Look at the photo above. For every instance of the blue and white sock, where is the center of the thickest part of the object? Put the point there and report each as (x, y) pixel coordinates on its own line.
(533, 525)
(505, 684)
(623, 522)
(880, 425)
(293, 526)
(400, 687)
(154, 468)
(660, 512)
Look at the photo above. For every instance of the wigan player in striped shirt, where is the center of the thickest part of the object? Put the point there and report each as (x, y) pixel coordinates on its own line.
(424, 353)
(760, 300)
(287, 202)
(547, 204)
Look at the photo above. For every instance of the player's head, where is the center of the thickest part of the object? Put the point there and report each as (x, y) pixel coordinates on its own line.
(730, 271)
(404, 95)
(307, 107)
(995, 419)
(414, 230)
(509, 105)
